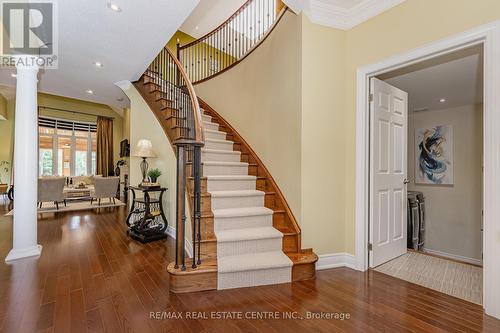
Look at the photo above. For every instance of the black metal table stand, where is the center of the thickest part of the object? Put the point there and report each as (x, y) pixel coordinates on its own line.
(146, 220)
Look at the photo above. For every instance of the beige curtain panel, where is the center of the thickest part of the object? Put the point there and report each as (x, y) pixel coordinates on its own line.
(105, 165)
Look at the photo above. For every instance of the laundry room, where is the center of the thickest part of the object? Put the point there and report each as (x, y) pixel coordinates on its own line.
(443, 180)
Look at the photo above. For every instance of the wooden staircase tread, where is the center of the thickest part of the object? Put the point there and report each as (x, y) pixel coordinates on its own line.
(209, 240)
(205, 177)
(176, 117)
(287, 231)
(303, 257)
(206, 266)
(179, 126)
(207, 194)
(151, 82)
(169, 107)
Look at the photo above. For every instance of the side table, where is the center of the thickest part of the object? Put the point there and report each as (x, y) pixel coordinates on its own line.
(146, 220)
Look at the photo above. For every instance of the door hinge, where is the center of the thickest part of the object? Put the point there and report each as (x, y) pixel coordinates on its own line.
(371, 97)
(370, 247)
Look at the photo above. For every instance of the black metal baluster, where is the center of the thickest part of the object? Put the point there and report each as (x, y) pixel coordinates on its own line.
(197, 186)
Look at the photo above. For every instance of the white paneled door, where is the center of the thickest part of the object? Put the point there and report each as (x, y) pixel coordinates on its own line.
(388, 165)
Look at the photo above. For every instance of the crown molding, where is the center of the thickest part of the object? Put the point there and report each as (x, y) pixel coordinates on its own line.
(321, 12)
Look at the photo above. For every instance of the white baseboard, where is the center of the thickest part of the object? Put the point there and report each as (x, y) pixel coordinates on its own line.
(187, 244)
(334, 260)
(455, 257)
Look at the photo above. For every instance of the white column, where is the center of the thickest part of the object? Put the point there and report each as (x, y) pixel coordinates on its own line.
(25, 166)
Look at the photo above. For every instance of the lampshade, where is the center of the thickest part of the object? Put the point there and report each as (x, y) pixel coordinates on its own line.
(144, 148)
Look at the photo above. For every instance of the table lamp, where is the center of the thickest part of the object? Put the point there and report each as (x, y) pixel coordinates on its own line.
(144, 150)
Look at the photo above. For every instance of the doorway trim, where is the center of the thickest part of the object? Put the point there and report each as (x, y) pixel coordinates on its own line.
(489, 36)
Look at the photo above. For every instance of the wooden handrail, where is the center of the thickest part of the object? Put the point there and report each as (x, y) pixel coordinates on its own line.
(198, 120)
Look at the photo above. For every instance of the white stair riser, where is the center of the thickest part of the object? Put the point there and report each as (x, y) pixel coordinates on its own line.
(228, 145)
(252, 278)
(230, 185)
(237, 201)
(241, 222)
(218, 157)
(215, 135)
(225, 170)
(225, 249)
(206, 118)
(211, 126)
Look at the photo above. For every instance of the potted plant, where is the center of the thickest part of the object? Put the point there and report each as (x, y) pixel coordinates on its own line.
(4, 170)
(153, 175)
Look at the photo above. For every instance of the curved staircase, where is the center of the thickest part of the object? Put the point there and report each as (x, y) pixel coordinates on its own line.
(244, 233)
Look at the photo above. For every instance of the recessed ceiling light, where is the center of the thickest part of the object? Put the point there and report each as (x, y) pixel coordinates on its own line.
(114, 7)
(13, 74)
(98, 64)
(90, 92)
(120, 99)
(196, 28)
(442, 100)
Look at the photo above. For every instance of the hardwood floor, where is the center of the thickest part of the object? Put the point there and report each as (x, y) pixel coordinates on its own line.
(91, 277)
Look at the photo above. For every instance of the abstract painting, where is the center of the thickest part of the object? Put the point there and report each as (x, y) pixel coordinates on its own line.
(434, 155)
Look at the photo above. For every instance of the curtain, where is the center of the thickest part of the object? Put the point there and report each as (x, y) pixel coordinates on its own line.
(104, 161)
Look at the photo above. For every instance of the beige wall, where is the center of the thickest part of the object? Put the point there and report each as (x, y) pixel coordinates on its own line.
(453, 212)
(322, 140)
(261, 99)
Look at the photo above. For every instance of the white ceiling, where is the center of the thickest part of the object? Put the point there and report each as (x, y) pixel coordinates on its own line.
(347, 4)
(458, 78)
(125, 42)
(208, 15)
(344, 14)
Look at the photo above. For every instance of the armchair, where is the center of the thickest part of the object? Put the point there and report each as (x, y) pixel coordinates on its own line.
(104, 187)
(51, 189)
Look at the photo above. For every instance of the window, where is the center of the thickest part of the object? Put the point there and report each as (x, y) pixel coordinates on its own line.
(66, 148)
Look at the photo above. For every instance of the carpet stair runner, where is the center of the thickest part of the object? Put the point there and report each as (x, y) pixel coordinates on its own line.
(249, 248)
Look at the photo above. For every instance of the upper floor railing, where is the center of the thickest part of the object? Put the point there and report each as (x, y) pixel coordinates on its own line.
(230, 42)
(175, 93)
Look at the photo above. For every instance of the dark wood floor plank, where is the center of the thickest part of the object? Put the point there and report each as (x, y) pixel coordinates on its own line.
(92, 277)
(78, 320)
(62, 311)
(94, 321)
